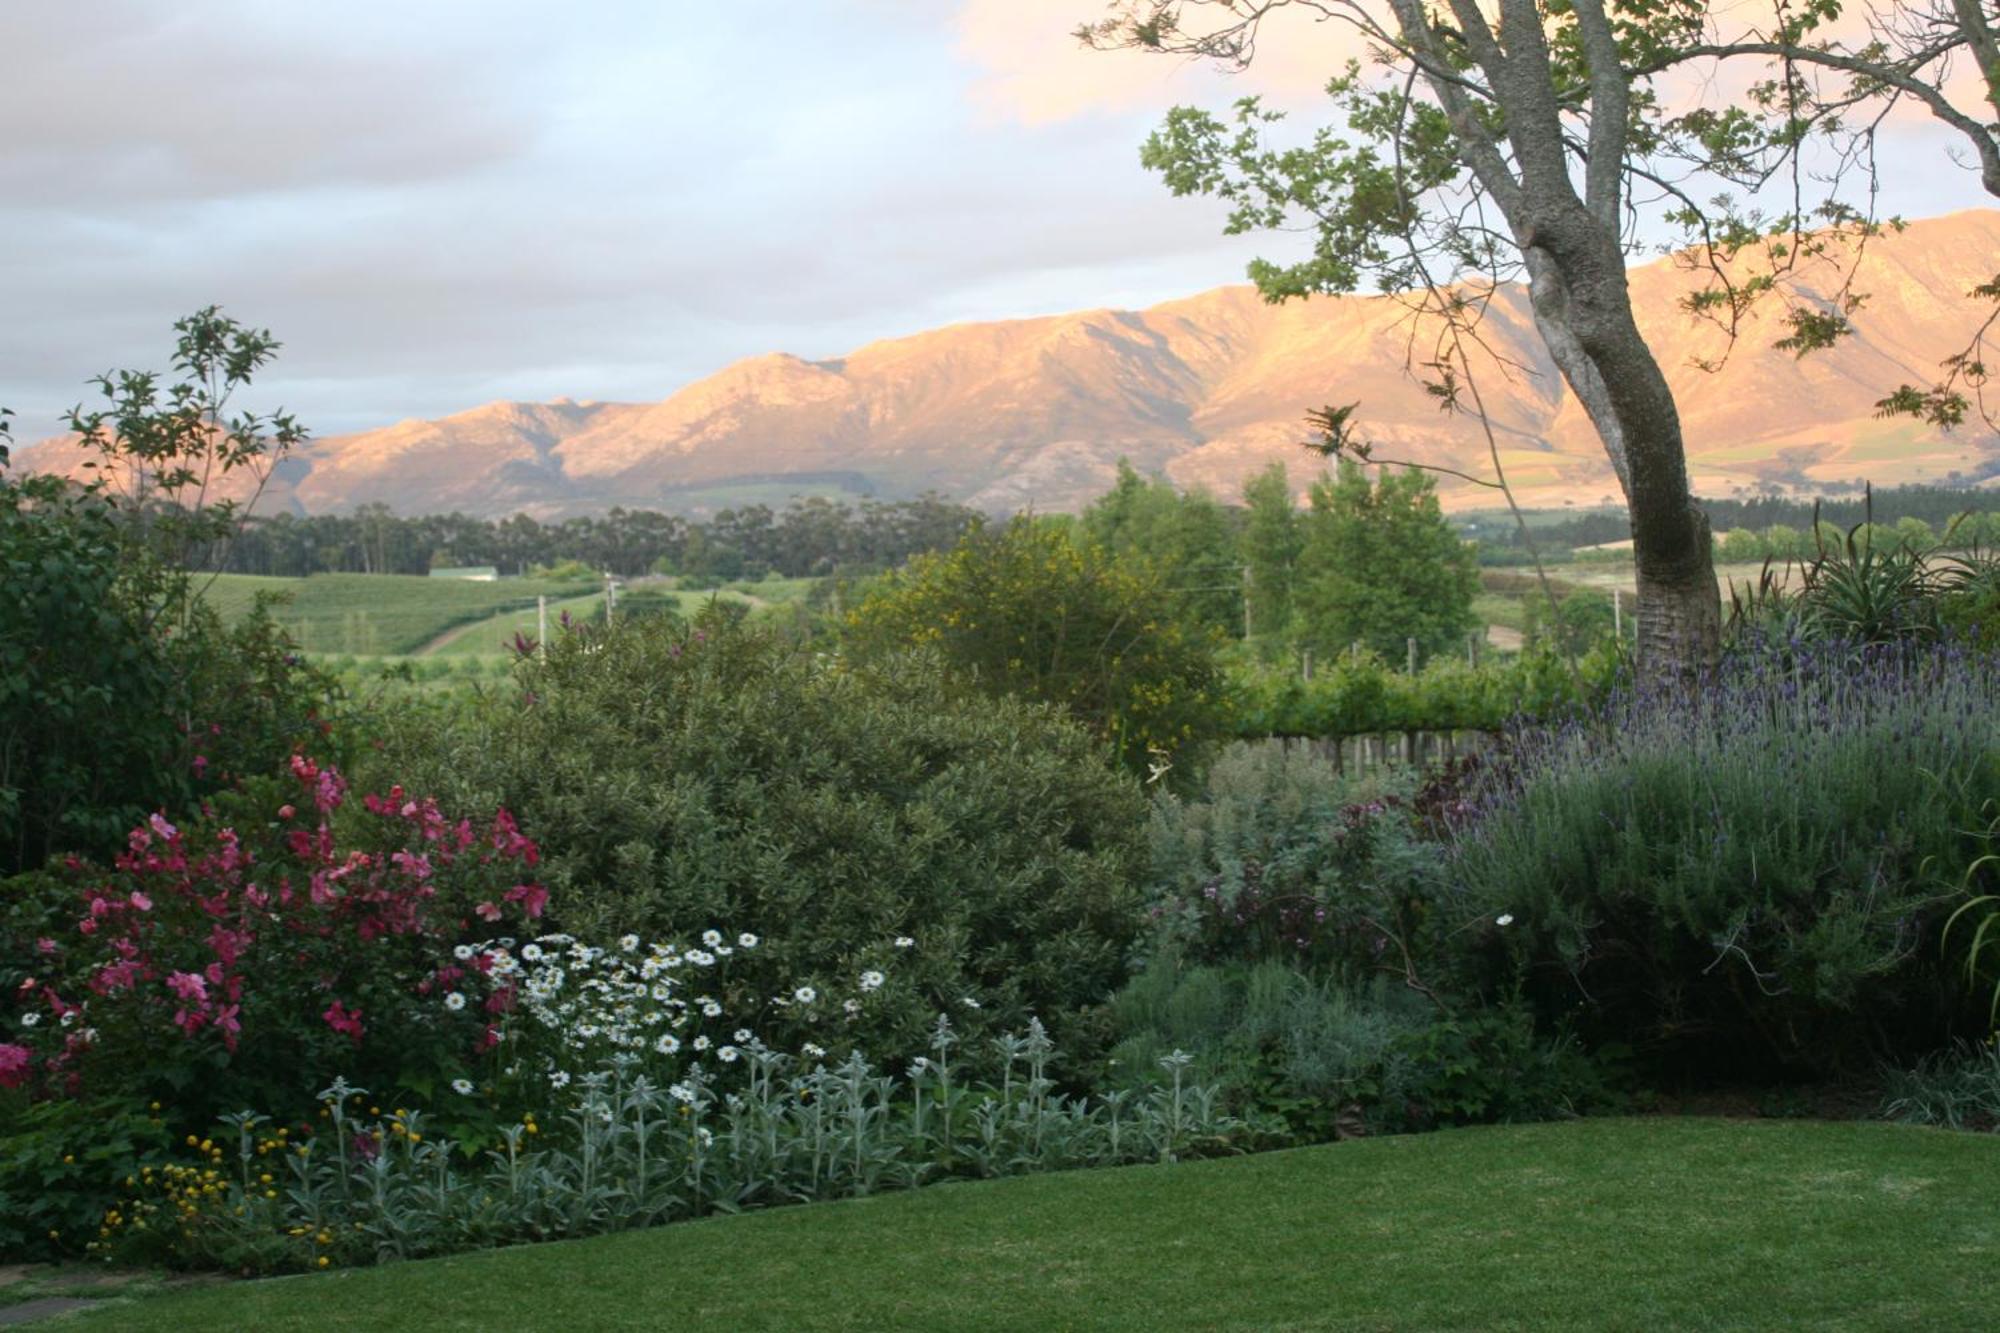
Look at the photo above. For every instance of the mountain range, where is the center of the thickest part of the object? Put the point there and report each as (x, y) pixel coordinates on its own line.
(1013, 414)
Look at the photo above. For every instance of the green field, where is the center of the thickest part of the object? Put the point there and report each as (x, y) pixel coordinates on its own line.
(379, 614)
(391, 616)
(1600, 1224)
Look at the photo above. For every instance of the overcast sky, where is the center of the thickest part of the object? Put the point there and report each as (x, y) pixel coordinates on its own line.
(437, 204)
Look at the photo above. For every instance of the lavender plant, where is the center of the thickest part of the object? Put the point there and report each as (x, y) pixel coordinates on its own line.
(1755, 870)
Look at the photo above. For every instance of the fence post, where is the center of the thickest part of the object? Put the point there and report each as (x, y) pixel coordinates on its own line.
(542, 624)
(1410, 645)
(1306, 670)
(1617, 614)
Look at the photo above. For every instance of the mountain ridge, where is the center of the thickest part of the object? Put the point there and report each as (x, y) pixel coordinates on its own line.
(1206, 388)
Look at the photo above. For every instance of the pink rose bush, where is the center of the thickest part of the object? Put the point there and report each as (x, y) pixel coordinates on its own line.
(227, 965)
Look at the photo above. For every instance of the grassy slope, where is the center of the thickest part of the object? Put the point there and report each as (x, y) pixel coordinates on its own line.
(1611, 1224)
(377, 614)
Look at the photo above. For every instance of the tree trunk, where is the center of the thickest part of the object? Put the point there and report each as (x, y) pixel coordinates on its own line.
(1582, 306)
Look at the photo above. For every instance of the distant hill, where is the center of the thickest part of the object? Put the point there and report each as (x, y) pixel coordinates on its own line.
(1036, 412)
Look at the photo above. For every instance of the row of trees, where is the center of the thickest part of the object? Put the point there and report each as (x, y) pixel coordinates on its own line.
(1370, 560)
(808, 537)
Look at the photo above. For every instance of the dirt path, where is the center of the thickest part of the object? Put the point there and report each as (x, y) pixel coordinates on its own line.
(458, 632)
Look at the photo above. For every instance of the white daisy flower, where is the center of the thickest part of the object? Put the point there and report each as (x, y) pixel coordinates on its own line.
(711, 1009)
(666, 1043)
(743, 1034)
(463, 953)
(462, 1086)
(971, 1003)
(628, 942)
(805, 995)
(455, 1001)
(702, 1043)
(813, 1050)
(700, 957)
(851, 1007)
(904, 941)
(871, 980)
(747, 940)
(30, 1019)
(681, 1092)
(559, 1079)
(726, 1054)
(1504, 919)
(711, 938)
(532, 952)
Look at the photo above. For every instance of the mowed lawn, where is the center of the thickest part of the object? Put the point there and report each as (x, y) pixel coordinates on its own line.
(1607, 1224)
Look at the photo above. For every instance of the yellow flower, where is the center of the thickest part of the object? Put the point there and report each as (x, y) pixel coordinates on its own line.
(324, 1261)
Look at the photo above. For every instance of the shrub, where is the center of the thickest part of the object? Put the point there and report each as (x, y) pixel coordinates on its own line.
(1032, 612)
(1750, 875)
(1323, 1059)
(121, 692)
(1277, 857)
(681, 778)
(214, 968)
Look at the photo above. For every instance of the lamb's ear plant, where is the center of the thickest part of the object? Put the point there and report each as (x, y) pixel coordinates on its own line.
(626, 1152)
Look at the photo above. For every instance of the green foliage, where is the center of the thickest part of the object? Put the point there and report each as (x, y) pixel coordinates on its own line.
(1749, 878)
(88, 734)
(678, 778)
(1350, 696)
(1955, 1088)
(1381, 565)
(1329, 1060)
(1276, 856)
(1273, 542)
(1030, 610)
(632, 1154)
(120, 690)
(61, 1164)
(1185, 542)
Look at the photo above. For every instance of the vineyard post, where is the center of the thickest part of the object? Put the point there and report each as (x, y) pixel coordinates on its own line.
(542, 623)
(1410, 654)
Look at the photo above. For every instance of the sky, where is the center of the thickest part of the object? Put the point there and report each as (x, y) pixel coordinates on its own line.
(434, 205)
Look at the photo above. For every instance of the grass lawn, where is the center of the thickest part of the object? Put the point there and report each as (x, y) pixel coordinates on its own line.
(1605, 1224)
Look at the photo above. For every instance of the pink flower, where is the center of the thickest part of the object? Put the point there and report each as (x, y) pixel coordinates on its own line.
(189, 986)
(141, 901)
(286, 812)
(15, 1062)
(487, 911)
(344, 1020)
(532, 897)
(162, 827)
(45, 945)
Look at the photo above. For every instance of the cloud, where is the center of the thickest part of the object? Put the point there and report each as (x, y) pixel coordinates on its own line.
(438, 204)
(1033, 68)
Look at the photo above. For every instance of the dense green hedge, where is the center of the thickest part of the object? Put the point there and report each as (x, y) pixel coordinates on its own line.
(681, 778)
(1366, 696)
